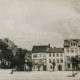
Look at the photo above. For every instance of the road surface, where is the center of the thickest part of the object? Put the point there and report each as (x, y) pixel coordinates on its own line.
(37, 75)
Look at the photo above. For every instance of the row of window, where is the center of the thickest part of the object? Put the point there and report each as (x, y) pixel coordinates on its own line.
(39, 55)
(50, 55)
(58, 60)
(72, 50)
(39, 61)
(69, 57)
(55, 54)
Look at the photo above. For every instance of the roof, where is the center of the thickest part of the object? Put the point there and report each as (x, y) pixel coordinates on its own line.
(56, 50)
(68, 42)
(40, 49)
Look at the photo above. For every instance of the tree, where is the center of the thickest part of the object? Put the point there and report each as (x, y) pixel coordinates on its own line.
(75, 61)
(6, 53)
(53, 65)
(20, 57)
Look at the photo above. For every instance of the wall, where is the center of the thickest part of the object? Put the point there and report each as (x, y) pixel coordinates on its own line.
(55, 58)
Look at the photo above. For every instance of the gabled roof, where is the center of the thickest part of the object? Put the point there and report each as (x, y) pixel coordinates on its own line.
(40, 49)
(56, 50)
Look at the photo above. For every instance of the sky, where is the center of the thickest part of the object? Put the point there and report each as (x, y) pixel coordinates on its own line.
(39, 22)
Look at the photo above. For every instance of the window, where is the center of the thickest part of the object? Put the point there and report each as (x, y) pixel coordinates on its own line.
(53, 60)
(40, 61)
(49, 60)
(76, 50)
(44, 61)
(72, 56)
(72, 51)
(68, 58)
(35, 55)
(67, 50)
(53, 54)
(50, 55)
(57, 55)
(51, 67)
(61, 60)
(73, 43)
(68, 65)
(57, 60)
(40, 55)
(44, 55)
(61, 54)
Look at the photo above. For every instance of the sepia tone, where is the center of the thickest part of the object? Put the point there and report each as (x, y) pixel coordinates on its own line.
(39, 39)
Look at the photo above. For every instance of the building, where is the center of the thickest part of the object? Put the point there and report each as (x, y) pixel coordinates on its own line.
(55, 55)
(71, 49)
(45, 56)
(27, 59)
(39, 56)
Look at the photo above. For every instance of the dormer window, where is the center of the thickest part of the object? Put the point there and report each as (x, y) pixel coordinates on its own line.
(73, 43)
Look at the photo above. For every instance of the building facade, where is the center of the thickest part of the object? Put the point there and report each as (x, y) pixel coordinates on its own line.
(39, 56)
(71, 49)
(55, 55)
(45, 56)
(60, 56)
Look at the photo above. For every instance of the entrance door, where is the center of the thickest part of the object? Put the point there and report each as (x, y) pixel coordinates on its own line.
(60, 68)
(44, 67)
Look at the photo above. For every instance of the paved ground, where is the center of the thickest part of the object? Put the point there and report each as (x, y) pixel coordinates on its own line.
(35, 75)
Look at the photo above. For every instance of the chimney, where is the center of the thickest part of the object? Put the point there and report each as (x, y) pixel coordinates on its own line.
(49, 45)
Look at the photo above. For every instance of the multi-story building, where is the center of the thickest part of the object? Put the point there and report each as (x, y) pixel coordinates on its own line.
(55, 55)
(71, 49)
(45, 55)
(39, 56)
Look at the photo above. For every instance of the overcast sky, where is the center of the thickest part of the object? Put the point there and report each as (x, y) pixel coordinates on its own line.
(39, 22)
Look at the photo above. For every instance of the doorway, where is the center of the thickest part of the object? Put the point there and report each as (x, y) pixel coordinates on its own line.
(44, 67)
(59, 67)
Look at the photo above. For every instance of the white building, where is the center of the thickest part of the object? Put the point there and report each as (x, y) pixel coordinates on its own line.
(71, 49)
(44, 56)
(39, 56)
(55, 55)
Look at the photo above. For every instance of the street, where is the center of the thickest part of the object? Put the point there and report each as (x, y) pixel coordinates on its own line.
(37, 75)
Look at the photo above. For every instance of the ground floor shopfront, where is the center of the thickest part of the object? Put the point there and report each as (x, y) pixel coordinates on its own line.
(57, 67)
(38, 67)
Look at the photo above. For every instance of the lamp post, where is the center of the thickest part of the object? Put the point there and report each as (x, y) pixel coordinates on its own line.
(12, 68)
(25, 63)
